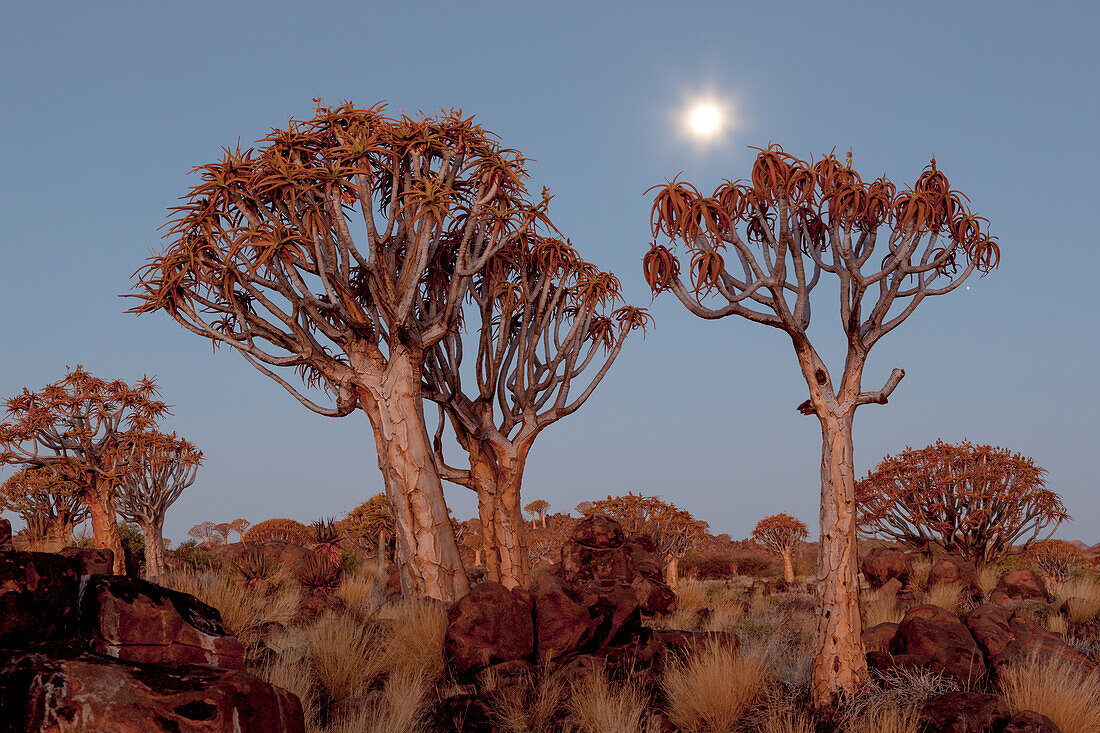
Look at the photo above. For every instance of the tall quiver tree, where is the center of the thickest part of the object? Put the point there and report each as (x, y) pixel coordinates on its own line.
(888, 249)
(545, 317)
(89, 431)
(39, 495)
(165, 467)
(782, 534)
(341, 250)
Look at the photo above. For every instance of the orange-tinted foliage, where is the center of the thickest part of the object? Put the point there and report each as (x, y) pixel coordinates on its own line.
(779, 532)
(977, 500)
(673, 530)
(1056, 559)
(278, 529)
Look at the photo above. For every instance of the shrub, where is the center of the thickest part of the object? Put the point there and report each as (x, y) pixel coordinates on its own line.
(714, 688)
(707, 567)
(278, 529)
(196, 557)
(1063, 692)
(598, 706)
(318, 576)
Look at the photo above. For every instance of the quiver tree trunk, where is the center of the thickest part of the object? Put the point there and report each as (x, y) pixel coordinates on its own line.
(497, 483)
(105, 525)
(381, 557)
(427, 554)
(155, 565)
(672, 572)
(788, 565)
(840, 662)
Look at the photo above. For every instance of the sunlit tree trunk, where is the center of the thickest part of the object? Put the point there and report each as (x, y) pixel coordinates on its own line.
(497, 478)
(155, 565)
(381, 558)
(840, 662)
(788, 566)
(427, 553)
(672, 572)
(105, 524)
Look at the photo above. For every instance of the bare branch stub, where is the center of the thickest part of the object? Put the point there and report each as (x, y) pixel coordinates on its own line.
(978, 500)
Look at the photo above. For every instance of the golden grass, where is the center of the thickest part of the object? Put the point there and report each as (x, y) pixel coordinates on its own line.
(988, 576)
(515, 712)
(1087, 589)
(343, 654)
(1057, 689)
(361, 594)
(776, 720)
(886, 719)
(691, 596)
(598, 706)
(945, 595)
(880, 607)
(400, 709)
(415, 644)
(1057, 624)
(293, 674)
(715, 687)
(918, 574)
(242, 610)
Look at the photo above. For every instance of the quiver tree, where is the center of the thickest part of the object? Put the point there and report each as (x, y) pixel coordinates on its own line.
(537, 510)
(86, 430)
(372, 520)
(757, 249)
(782, 534)
(1056, 559)
(979, 501)
(279, 528)
(240, 526)
(673, 530)
(165, 467)
(548, 332)
(46, 501)
(204, 532)
(335, 257)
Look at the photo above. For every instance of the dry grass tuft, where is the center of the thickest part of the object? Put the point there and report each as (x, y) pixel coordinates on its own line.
(918, 575)
(361, 595)
(400, 709)
(715, 687)
(415, 645)
(293, 674)
(988, 575)
(1085, 588)
(1057, 689)
(343, 654)
(777, 720)
(598, 706)
(880, 607)
(534, 712)
(242, 610)
(886, 719)
(1057, 624)
(946, 596)
(691, 596)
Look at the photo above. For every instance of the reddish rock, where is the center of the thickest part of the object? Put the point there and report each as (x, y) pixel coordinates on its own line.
(965, 712)
(1023, 585)
(1005, 636)
(581, 563)
(93, 561)
(38, 598)
(999, 597)
(138, 621)
(878, 637)
(891, 587)
(490, 624)
(281, 553)
(562, 623)
(953, 568)
(88, 693)
(5, 535)
(599, 532)
(886, 563)
(938, 635)
(1029, 721)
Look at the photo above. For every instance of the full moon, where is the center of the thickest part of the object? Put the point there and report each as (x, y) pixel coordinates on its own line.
(705, 119)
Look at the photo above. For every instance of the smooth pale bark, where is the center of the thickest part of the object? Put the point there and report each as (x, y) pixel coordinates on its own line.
(155, 565)
(105, 525)
(788, 566)
(840, 661)
(381, 557)
(427, 553)
(497, 477)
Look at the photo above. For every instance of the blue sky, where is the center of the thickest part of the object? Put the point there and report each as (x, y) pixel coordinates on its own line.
(107, 106)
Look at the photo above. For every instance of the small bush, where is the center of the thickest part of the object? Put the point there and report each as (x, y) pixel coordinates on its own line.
(598, 706)
(714, 688)
(1066, 694)
(196, 558)
(288, 530)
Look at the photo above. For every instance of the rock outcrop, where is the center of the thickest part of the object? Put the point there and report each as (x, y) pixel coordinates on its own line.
(886, 563)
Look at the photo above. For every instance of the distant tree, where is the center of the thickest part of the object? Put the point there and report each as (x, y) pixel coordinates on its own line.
(372, 519)
(977, 500)
(240, 526)
(165, 467)
(49, 501)
(782, 534)
(287, 530)
(88, 431)
(537, 510)
(673, 530)
(584, 508)
(222, 529)
(791, 222)
(266, 258)
(1056, 559)
(549, 331)
(204, 532)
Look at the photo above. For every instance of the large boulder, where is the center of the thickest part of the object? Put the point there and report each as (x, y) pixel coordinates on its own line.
(38, 598)
(877, 638)
(953, 568)
(1029, 721)
(965, 712)
(1005, 636)
(489, 625)
(563, 624)
(138, 621)
(92, 560)
(885, 563)
(82, 693)
(938, 636)
(1023, 584)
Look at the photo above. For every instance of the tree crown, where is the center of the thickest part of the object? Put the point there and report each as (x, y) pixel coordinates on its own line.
(779, 532)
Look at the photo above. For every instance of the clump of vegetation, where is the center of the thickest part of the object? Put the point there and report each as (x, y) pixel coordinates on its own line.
(1058, 689)
(318, 576)
(714, 688)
